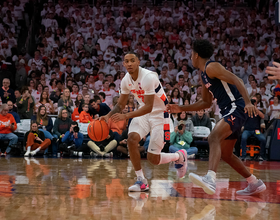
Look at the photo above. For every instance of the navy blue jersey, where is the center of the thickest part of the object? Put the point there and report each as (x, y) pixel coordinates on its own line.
(225, 93)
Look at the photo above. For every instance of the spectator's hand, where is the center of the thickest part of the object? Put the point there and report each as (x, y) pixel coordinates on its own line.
(96, 116)
(176, 129)
(71, 129)
(75, 135)
(62, 136)
(38, 139)
(124, 142)
(274, 71)
(118, 117)
(6, 94)
(251, 110)
(108, 137)
(173, 108)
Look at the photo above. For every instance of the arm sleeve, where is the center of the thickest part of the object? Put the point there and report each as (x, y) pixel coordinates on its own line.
(82, 117)
(79, 140)
(60, 103)
(66, 136)
(187, 136)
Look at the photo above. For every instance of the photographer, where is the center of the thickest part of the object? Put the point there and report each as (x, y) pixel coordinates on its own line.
(181, 139)
(71, 143)
(252, 127)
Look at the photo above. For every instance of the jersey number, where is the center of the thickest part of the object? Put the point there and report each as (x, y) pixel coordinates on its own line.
(167, 136)
(141, 97)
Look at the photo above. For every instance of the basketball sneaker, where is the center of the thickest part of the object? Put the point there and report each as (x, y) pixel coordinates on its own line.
(140, 185)
(252, 189)
(182, 163)
(205, 182)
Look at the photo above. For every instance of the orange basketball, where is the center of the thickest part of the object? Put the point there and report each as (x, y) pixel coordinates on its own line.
(98, 130)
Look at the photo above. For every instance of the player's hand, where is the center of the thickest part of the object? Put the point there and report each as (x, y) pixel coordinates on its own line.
(173, 108)
(273, 70)
(104, 118)
(118, 117)
(251, 110)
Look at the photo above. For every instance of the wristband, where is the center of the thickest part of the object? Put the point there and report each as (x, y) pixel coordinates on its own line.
(21, 100)
(60, 136)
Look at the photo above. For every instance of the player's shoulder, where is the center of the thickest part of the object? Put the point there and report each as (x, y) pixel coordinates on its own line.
(148, 74)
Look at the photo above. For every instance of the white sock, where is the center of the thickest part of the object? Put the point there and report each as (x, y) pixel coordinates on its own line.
(212, 174)
(140, 173)
(28, 149)
(168, 157)
(37, 150)
(252, 179)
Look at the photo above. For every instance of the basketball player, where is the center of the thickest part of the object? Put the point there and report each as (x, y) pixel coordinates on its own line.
(235, 105)
(273, 70)
(151, 118)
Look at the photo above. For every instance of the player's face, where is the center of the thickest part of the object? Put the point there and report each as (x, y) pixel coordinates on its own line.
(194, 59)
(131, 63)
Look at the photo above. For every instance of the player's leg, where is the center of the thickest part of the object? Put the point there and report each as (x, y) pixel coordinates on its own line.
(132, 143)
(157, 141)
(208, 182)
(255, 185)
(138, 129)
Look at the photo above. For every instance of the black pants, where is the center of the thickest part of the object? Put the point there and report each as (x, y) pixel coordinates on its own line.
(63, 147)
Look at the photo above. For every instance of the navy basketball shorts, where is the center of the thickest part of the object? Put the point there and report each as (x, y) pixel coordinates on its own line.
(235, 116)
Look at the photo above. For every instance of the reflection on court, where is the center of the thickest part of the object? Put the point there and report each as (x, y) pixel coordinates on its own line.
(49, 188)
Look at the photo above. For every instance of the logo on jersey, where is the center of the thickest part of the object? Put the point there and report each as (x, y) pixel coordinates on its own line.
(231, 119)
(139, 85)
(207, 85)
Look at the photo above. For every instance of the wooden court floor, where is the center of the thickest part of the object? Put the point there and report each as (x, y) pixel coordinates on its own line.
(57, 189)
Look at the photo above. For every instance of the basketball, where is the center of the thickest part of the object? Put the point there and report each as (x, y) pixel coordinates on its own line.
(98, 130)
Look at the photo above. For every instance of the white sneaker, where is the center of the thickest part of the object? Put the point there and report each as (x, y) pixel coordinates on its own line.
(32, 153)
(27, 153)
(252, 189)
(140, 185)
(205, 182)
(182, 163)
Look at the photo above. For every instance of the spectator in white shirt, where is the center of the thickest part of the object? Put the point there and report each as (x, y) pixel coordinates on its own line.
(253, 90)
(103, 42)
(110, 94)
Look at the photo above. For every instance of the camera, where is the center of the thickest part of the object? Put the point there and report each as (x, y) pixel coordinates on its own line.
(76, 129)
(253, 101)
(180, 127)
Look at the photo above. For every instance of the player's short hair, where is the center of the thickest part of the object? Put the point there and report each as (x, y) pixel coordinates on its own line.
(132, 52)
(204, 48)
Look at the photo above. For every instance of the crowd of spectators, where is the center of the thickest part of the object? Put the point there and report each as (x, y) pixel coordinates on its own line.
(76, 70)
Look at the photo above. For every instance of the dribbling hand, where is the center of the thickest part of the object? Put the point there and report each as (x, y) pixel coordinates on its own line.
(104, 118)
(172, 108)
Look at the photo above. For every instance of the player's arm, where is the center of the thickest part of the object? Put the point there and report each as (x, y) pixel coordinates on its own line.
(120, 105)
(147, 108)
(206, 102)
(216, 70)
